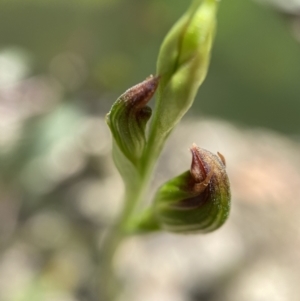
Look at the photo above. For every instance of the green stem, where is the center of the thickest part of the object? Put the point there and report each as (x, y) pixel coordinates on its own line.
(133, 196)
(151, 152)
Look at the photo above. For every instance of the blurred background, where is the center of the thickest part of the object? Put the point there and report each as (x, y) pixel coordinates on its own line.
(62, 65)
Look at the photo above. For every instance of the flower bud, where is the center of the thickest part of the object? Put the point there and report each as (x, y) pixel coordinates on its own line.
(182, 64)
(197, 201)
(128, 117)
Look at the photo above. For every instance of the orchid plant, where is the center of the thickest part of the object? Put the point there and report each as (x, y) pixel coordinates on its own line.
(198, 200)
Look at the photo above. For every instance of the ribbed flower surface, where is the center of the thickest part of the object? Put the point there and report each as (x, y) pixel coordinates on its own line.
(197, 200)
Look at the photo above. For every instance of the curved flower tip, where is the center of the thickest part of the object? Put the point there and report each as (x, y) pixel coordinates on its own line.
(199, 199)
(139, 95)
(128, 117)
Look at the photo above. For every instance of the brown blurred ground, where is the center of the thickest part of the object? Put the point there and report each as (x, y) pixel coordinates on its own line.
(255, 256)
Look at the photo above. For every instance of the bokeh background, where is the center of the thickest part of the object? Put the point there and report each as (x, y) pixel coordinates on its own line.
(62, 65)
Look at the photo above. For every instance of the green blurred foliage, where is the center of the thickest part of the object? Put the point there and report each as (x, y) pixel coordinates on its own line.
(255, 65)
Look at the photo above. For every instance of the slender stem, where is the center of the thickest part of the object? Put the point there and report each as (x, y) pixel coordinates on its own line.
(152, 151)
(133, 196)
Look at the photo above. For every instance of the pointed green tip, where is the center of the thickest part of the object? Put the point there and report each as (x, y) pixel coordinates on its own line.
(183, 63)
